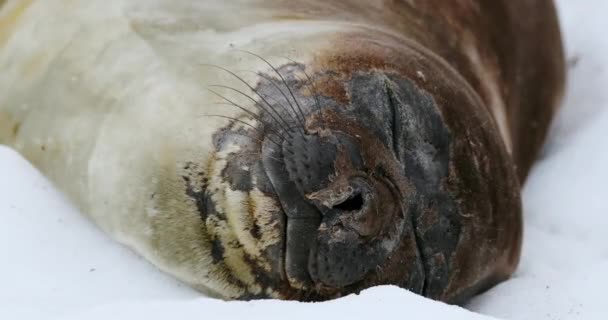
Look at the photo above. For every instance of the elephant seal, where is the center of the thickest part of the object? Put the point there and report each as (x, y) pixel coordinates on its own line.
(290, 149)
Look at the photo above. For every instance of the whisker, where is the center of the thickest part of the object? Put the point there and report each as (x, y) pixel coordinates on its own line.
(242, 108)
(259, 154)
(311, 86)
(230, 103)
(245, 123)
(282, 92)
(282, 79)
(252, 89)
(236, 105)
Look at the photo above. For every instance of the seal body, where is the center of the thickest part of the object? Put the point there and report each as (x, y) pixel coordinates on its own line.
(290, 149)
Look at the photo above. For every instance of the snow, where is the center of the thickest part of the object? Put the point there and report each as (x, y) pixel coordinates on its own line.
(58, 265)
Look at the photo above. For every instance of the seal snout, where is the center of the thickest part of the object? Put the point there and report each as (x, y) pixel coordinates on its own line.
(340, 188)
(339, 217)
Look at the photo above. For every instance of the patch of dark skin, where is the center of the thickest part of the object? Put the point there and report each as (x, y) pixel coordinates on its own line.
(308, 161)
(234, 172)
(440, 238)
(204, 204)
(255, 231)
(238, 178)
(217, 250)
(402, 268)
(409, 123)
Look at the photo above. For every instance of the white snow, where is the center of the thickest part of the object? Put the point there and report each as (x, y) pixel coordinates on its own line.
(56, 265)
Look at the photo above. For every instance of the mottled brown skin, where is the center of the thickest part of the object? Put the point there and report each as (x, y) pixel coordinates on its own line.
(469, 62)
(519, 41)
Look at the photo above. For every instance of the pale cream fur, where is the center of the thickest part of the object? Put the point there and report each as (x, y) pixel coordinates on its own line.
(107, 97)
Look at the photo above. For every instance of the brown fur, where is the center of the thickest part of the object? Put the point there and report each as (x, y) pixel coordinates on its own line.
(519, 44)
(519, 50)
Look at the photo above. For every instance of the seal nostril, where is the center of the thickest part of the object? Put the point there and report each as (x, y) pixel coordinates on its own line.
(354, 203)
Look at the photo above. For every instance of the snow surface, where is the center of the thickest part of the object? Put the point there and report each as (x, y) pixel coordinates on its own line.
(57, 265)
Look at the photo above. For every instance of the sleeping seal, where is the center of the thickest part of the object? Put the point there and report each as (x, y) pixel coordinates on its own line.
(290, 149)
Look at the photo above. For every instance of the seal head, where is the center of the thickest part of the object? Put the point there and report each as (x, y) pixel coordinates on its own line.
(378, 182)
